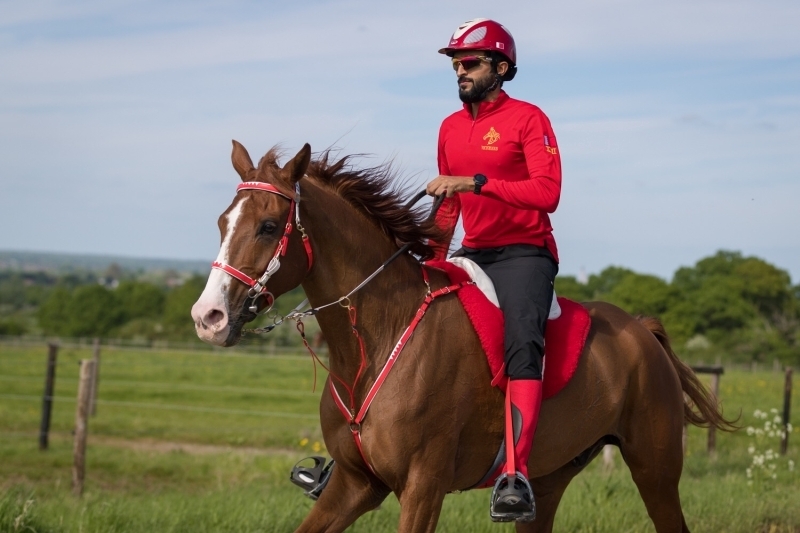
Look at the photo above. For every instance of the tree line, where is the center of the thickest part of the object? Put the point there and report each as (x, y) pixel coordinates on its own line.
(742, 308)
(114, 304)
(726, 305)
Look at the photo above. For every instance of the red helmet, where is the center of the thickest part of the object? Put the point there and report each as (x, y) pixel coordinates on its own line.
(482, 34)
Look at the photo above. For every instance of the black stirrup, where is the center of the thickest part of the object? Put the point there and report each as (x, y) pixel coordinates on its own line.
(312, 479)
(512, 499)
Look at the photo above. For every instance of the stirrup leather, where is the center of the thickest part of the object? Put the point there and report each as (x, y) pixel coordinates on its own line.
(507, 485)
(312, 479)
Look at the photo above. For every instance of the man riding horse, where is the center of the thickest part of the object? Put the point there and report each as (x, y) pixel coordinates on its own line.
(500, 169)
(433, 426)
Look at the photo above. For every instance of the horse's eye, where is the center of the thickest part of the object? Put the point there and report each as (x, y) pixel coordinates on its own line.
(267, 228)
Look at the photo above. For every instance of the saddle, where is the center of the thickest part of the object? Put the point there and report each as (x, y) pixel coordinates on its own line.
(566, 333)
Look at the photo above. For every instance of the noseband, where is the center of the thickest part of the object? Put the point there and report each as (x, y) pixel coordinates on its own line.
(258, 287)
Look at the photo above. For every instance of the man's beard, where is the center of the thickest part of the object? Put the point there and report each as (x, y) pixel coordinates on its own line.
(480, 88)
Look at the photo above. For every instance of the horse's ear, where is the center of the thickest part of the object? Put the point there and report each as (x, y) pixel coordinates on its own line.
(296, 168)
(241, 160)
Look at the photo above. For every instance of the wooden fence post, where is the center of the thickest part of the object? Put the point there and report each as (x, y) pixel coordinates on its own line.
(787, 402)
(47, 399)
(81, 426)
(95, 375)
(712, 431)
(716, 372)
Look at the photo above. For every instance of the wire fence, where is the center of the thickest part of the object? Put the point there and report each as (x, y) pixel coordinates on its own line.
(171, 386)
(260, 348)
(170, 394)
(163, 406)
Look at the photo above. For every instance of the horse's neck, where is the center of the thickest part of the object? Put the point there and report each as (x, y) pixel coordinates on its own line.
(347, 249)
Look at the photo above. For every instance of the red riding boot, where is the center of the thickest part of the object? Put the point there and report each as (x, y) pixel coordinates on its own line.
(512, 497)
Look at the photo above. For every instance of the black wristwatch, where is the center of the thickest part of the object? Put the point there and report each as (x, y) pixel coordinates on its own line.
(480, 181)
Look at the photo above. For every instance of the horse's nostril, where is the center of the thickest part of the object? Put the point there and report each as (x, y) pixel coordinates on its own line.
(214, 316)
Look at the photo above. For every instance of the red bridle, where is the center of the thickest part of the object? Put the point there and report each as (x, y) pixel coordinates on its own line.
(258, 287)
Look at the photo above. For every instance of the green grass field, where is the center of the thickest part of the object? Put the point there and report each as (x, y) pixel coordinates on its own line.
(204, 442)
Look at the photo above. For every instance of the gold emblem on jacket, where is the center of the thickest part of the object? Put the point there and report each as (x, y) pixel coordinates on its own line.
(491, 137)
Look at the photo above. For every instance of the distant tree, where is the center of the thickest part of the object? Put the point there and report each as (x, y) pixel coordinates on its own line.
(140, 299)
(178, 307)
(93, 311)
(569, 287)
(37, 293)
(767, 287)
(721, 305)
(729, 291)
(603, 283)
(681, 320)
(89, 310)
(54, 314)
(641, 294)
(12, 291)
(76, 279)
(723, 263)
(12, 327)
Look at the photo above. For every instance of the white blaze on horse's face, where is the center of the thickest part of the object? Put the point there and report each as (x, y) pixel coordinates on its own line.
(210, 312)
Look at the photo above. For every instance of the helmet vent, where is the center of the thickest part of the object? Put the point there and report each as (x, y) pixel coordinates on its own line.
(475, 36)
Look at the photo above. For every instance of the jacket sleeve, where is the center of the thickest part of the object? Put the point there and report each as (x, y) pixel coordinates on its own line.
(449, 211)
(542, 189)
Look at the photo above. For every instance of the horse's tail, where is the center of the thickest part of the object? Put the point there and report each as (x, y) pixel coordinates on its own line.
(700, 406)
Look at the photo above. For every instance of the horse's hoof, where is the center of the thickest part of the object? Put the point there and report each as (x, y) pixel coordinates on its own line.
(312, 480)
(512, 500)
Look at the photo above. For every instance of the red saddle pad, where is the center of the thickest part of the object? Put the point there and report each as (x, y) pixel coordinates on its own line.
(564, 336)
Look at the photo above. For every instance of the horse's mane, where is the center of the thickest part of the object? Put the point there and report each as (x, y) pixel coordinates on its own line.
(378, 193)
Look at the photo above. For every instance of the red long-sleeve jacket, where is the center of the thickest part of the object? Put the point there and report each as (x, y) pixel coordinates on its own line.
(512, 143)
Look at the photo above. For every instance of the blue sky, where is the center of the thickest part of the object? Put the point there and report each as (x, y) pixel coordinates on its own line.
(678, 123)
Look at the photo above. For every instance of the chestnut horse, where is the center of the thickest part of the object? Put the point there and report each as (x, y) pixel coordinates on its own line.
(437, 423)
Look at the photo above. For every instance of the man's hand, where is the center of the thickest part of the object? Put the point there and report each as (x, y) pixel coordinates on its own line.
(449, 185)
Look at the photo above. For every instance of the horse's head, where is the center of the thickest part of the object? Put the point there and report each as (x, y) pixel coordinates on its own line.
(262, 254)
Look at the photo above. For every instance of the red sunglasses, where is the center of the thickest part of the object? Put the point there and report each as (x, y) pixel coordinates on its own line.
(468, 62)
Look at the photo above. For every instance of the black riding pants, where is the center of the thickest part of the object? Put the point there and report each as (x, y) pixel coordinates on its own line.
(523, 277)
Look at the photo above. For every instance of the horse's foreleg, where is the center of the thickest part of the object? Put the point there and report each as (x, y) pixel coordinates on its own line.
(348, 495)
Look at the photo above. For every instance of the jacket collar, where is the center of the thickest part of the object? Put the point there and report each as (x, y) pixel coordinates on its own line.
(487, 107)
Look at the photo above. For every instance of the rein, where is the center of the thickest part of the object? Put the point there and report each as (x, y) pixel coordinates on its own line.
(296, 315)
